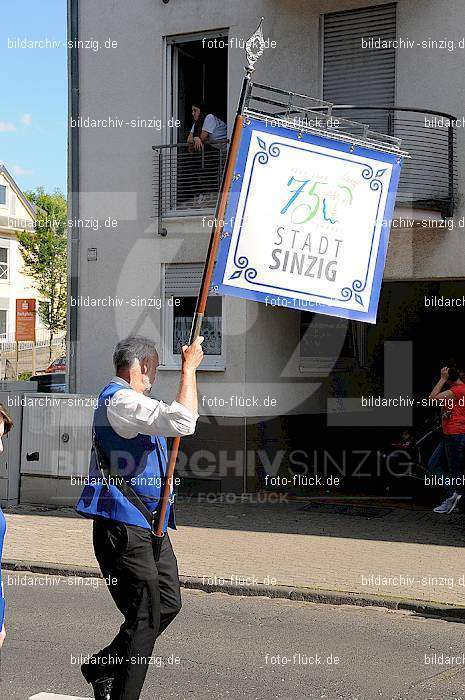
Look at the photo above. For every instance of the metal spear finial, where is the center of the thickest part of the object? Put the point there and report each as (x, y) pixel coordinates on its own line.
(254, 47)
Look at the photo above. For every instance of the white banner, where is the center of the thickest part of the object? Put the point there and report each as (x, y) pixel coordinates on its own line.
(307, 223)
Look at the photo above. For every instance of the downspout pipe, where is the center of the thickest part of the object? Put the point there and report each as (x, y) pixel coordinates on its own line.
(73, 189)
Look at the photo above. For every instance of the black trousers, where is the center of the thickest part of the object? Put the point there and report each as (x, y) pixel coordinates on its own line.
(146, 593)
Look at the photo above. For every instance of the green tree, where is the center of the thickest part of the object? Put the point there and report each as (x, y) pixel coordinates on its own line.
(44, 252)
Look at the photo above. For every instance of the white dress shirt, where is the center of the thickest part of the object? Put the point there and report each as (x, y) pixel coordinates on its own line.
(131, 413)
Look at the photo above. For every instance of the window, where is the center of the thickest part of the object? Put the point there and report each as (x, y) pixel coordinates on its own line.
(3, 320)
(13, 204)
(182, 283)
(196, 71)
(330, 344)
(3, 195)
(354, 74)
(4, 264)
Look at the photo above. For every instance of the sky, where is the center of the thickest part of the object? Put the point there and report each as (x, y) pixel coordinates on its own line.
(33, 94)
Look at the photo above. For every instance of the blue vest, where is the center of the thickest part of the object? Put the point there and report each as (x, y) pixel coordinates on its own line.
(141, 460)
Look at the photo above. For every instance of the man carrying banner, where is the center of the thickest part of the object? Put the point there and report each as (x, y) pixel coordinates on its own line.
(122, 495)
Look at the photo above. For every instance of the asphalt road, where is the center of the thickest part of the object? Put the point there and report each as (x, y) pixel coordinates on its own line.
(231, 647)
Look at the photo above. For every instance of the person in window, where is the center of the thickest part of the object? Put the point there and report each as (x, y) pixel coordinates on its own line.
(6, 425)
(206, 129)
(448, 459)
(207, 144)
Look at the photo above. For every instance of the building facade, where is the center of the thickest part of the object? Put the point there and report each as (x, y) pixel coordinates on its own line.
(16, 213)
(276, 385)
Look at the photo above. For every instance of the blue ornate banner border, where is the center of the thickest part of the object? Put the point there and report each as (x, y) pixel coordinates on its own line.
(376, 180)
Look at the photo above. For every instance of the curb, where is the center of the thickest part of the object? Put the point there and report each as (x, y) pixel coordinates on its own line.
(308, 595)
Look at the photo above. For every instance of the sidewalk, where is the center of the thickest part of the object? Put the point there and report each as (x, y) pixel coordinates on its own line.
(252, 548)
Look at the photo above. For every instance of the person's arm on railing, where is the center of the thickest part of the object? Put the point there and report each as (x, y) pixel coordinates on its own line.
(196, 142)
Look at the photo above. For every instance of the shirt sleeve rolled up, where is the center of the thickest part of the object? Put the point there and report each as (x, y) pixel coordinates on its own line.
(131, 413)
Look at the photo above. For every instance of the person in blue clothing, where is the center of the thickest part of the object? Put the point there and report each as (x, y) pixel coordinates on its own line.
(6, 425)
(122, 495)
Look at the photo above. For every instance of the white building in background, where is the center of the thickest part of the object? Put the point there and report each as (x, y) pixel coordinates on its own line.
(16, 214)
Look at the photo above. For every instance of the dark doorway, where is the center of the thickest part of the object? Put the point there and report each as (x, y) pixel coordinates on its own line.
(198, 74)
(202, 74)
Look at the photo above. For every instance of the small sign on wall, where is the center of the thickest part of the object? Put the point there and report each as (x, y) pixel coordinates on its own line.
(307, 223)
(25, 319)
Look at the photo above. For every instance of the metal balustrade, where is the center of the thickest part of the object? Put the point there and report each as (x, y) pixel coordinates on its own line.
(187, 183)
(428, 178)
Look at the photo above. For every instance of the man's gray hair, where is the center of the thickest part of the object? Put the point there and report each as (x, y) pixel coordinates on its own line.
(136, 347)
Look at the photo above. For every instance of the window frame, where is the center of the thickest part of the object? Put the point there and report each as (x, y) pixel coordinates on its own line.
(170, 75)
(6, 322)
(6, 280)
(170, 360)
(322, 35)
(6, 188)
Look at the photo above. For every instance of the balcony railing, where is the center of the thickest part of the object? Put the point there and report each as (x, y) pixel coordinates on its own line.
(428, 179)
(185, 183)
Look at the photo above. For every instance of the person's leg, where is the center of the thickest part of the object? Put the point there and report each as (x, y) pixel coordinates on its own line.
(125, 555)
(110, 541)
(437, 465)
(168, 578)
(455, 453)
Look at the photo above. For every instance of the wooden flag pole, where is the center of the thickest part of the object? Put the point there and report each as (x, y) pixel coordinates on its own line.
(254, 49)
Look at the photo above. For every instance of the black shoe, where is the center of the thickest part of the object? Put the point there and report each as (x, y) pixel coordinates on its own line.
(102, 688)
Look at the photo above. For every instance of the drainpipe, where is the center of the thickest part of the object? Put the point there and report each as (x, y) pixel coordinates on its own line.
(73, 189)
